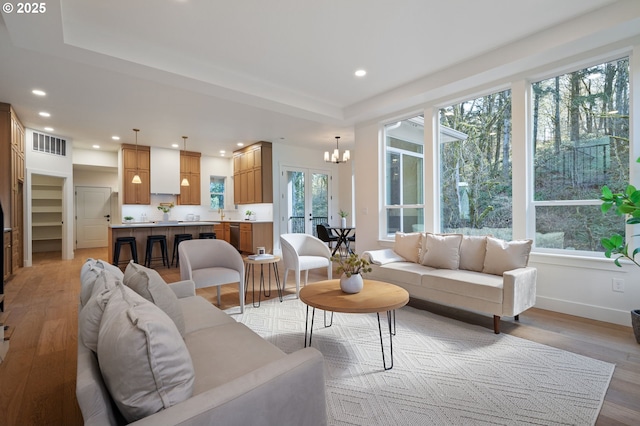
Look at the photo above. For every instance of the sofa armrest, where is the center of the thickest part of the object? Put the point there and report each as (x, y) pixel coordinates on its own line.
(289, 391)
(382, 256)
(519, 290)
(182, 289)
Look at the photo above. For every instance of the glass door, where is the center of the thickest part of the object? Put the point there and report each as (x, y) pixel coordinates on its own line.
(306, 196)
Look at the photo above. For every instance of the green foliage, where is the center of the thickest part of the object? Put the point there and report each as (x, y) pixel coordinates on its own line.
(166, 208)
(343, 213)
(353, 264)
(626, 204)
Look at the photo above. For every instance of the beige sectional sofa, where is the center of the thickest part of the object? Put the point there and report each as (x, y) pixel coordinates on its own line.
(157, 354)
(476, 273)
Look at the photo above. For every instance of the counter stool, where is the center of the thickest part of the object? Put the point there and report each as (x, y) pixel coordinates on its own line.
(209, 235)
(121, 241)
(148, 257)
(177, 240)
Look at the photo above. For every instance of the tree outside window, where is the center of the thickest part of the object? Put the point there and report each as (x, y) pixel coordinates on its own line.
(580, 141)
(216, 191)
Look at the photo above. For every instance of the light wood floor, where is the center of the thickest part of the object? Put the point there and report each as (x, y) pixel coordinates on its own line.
(37, 379)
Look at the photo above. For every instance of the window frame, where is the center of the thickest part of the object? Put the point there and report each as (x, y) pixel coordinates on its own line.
(223, 193)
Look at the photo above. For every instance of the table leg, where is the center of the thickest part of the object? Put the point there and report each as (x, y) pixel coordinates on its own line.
(306, 326)
(391, 334)
(276, 276)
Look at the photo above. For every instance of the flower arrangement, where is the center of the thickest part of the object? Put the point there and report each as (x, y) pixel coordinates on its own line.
(165, 207)
(351, 265)
(343, 213)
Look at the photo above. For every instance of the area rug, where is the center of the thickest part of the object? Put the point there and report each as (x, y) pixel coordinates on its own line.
(445, 372)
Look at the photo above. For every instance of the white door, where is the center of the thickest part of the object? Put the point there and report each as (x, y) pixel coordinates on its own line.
(93, 215)
(305, 199)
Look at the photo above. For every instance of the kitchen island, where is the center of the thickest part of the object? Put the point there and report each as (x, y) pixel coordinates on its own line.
(141, 230)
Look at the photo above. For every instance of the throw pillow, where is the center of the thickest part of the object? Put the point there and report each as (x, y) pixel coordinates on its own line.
(472, 252)
(89, 273)
(441, 251)
(90, 315)
(407, 245)
(504, 256)
(149, 284)
(143, 359)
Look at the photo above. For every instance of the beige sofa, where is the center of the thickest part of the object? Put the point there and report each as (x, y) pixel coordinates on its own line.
(476, 273)
(180, 360)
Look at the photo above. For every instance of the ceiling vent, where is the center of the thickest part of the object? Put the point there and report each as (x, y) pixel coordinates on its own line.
(49, 144)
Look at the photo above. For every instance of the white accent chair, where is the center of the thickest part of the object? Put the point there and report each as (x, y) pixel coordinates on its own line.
(301, 252)
(209, 262)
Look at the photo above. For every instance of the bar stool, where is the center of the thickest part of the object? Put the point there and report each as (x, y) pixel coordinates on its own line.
(177, 240)
(148, 257)
(209, 235)
(122, 241)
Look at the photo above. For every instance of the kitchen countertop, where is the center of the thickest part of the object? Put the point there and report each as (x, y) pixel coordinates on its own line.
(244, 221)
(160, 224)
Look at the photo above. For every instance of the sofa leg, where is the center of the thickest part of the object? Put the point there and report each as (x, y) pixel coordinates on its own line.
(517, 318)
(496, 324)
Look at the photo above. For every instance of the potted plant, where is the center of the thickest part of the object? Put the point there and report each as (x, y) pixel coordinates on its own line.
(128, 219)
(250, 215)
(351, 269)
(343, 218)
(626, 204)
(165, 208)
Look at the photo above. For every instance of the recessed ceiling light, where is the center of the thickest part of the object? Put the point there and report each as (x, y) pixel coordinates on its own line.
(49, 129)
(240, 144)
(175, 145)
(115, 138)
(96, 146)
(360, 73)
(222, 151)
(44, 114)
(39, 92)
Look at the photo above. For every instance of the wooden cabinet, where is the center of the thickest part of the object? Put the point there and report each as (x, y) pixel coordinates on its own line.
(12, 170)
(6, 257)
(223, 231)
(190, 169)
(253, 235)
(46, 213)
(253, 174)
(136, 160)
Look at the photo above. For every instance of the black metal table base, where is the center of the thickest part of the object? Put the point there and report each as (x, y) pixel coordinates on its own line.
(391, 321)
(261, 286)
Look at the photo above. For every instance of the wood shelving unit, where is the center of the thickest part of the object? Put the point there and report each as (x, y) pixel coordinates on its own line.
(46, 213)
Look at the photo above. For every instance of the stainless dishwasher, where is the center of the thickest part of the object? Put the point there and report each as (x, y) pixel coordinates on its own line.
(234, 231)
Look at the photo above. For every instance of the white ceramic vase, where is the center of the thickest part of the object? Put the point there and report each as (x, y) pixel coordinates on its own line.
(343, 221)
(165, 217)
(352, 284)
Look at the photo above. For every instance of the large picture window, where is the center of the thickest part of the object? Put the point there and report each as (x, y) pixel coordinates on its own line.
(580, 142)
(475, 166)
(216, 192)
(404, 176)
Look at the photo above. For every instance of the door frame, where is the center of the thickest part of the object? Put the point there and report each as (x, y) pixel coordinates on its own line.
(284, 204)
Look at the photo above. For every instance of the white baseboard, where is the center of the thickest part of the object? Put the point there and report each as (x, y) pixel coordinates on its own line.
(599, 313)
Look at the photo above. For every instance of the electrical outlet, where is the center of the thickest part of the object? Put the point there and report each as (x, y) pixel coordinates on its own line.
(617, 284)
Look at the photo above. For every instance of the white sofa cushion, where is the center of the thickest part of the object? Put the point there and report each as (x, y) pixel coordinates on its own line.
(144, 361)
(476, 285)
(90, 315)
(199, 313)
(89, 273)
(399, 272)
(472, 252)
(149, 284)
(408, 245)
(504, 256)
(441, 251)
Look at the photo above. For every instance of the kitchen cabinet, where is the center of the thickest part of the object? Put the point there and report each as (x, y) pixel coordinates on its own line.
(223, 231)
(253, 174)
(165, 177)
(136, 160)
(190, 169)
(256, 234)
(12, 170)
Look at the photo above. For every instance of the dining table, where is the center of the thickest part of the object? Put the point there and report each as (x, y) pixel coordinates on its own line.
(343, 233)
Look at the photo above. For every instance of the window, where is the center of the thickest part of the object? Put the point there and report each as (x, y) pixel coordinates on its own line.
(404, 176)
(580, 140)
(475, 167)
(216, 191)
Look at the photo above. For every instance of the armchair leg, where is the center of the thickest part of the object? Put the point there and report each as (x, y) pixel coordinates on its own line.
(496, 324)
(517, 318)
(219, 304)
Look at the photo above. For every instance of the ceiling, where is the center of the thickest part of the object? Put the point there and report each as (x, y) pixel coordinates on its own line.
(227, 72)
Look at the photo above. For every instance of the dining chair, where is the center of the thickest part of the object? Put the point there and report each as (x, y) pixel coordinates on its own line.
(302, 252)
(325, 234)
(210, 262)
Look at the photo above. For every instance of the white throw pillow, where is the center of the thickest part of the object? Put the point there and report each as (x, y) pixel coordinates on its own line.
(91, 313)
(149, 284)
(472, 252)
(143, 359)
(441, 251)
(505, 256)
(408, 245)
(89, 273)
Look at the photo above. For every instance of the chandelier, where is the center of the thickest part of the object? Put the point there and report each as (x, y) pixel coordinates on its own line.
(335, 157)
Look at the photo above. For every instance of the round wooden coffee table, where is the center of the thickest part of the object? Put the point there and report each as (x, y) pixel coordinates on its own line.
(375, 297)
